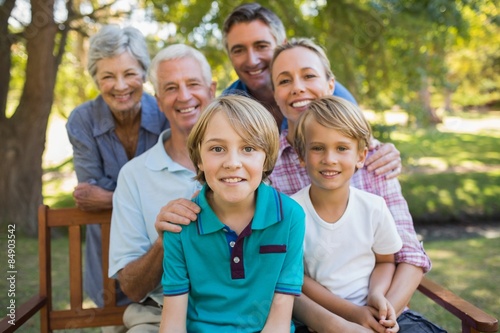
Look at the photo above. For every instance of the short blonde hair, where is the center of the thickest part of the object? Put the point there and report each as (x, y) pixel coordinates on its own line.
(248, 118)
(335, 113)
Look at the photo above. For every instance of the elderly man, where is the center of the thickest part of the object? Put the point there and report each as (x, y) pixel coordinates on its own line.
(182, 80)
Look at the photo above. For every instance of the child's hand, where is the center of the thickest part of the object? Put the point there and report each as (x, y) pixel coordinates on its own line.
(367, 316)
(385, 312)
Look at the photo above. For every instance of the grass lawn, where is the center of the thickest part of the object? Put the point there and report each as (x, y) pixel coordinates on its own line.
(27, 280)
(451, 176)
(468, 267)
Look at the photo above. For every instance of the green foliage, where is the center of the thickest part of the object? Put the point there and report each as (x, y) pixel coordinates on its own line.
(74, 85)
(474, 62)
(384, 51)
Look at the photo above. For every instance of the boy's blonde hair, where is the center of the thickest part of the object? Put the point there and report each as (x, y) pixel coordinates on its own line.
(335, 113)
(249, 119)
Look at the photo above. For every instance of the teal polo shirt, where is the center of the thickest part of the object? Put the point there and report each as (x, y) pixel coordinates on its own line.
(231, 283)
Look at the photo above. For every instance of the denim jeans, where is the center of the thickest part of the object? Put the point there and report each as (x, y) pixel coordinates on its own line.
(413, 322)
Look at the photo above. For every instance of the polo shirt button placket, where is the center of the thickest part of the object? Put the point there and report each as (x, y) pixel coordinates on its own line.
(231, 243)
(236, 260)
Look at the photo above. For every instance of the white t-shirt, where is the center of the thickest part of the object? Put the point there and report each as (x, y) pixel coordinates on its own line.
(341, 255)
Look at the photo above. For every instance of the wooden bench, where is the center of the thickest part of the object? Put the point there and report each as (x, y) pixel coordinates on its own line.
(76, 316)
(473, 319)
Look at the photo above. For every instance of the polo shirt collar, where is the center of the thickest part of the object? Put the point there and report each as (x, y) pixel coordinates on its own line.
(268, 210)
(157, 158)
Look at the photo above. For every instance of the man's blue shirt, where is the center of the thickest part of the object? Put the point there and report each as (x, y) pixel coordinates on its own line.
(237, 87)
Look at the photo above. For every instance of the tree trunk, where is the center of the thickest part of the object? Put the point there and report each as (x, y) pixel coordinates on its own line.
(425, 98)
(23, 135)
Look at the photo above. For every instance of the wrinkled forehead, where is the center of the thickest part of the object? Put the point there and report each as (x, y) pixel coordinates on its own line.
(248, 32)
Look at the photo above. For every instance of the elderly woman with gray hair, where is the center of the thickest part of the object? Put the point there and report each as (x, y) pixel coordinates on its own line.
(108, 131)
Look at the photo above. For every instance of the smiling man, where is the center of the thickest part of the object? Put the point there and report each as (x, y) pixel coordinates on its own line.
(251, 33)
(182, 79)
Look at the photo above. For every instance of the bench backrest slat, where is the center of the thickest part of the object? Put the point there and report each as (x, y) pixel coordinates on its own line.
(76, 316)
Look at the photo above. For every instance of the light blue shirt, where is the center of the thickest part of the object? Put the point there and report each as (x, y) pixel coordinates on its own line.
(145, 184)
(98, 156)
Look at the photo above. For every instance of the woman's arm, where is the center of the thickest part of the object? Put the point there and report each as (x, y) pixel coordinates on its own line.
(174, 314)
(92, 198)
(94, 191)
(405, 282)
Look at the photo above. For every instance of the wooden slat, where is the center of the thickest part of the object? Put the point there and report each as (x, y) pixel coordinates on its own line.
(66, 319)
(45, 264)
(109, 284)
(62, 217)
(75, 267)
(471, 316)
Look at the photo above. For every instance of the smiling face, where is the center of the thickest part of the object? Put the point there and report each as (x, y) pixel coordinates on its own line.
(331, 157)
(233, 168)
(120, 81)
(298, 77)
(182, 92)
(251, 46)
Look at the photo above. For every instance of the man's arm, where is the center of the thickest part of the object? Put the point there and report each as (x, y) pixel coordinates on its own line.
(133, 280)
(135, 259)
(174, 314)
(174, 214)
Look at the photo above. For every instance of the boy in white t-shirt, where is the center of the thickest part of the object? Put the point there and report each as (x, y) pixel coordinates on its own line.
(350, 236)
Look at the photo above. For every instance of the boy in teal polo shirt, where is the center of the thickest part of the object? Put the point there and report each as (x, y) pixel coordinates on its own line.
(239, 267)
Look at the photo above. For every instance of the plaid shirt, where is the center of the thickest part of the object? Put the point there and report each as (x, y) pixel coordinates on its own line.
(289, 177)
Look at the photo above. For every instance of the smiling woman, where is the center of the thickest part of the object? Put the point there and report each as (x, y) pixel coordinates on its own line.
(121, 123)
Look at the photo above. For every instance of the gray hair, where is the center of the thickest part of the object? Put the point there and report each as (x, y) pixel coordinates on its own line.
(111, 41)
(249, 12)
(178, 51)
